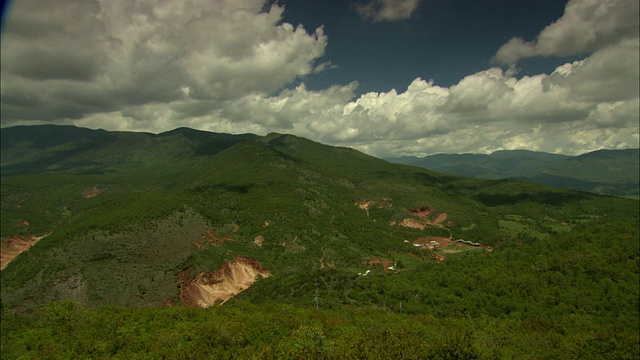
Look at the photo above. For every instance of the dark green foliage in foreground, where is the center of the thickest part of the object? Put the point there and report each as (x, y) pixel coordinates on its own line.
(241, 330)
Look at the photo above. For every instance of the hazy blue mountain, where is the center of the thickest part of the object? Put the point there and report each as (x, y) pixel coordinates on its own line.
(613, 172)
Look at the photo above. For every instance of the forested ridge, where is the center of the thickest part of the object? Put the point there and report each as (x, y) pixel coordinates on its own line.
(125, 219)
(613, 172)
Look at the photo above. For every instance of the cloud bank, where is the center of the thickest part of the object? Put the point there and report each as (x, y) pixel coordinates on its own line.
(158, 65)
(91, 57)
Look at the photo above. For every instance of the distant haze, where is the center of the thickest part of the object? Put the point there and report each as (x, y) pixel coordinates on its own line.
(612, 172)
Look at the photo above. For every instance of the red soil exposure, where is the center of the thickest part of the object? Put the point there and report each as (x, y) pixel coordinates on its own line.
(423, 213)
(211, 238)
(384, 263)
(440, 218)
(410, 223)
(207, 289)
(92, 193)
(367, 204)
(16, 245)
(364, 204)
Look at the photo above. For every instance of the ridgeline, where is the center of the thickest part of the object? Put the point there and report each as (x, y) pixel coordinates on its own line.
(122, 244)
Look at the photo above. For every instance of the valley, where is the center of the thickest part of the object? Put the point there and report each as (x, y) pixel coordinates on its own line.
(611, 172)
(320, 180)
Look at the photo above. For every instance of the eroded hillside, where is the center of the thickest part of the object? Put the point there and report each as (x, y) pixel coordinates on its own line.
(144, 220)
(15, 246)
(210, 288)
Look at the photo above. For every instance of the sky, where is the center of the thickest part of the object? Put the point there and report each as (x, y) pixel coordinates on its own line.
(386, 77)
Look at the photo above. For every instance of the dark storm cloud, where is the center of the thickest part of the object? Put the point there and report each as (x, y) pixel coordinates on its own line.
(54, 64)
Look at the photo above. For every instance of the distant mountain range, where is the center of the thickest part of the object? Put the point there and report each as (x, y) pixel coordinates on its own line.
(611, 172)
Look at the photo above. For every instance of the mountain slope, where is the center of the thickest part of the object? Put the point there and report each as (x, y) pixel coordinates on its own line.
(613, 172)
(155, 220)
(50, 148)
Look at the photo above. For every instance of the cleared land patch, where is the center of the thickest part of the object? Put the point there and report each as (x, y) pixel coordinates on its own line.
(208, 288)
(16, 245)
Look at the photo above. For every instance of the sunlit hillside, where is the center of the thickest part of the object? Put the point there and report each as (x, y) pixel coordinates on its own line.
(120, 243)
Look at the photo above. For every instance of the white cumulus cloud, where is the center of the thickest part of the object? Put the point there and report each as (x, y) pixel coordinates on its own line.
(586, 26)
(228, 66)
(75, 59)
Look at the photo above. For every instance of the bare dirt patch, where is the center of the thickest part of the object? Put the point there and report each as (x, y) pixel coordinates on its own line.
(211, 237)
(428, 242)
(440, 219)
(93, 192)
(384, 262)
(259, 240)
(422, 211)
(15, 246)
(208, 288)
(366, 205)
(424, 221)
(411, 223)
(423, 218)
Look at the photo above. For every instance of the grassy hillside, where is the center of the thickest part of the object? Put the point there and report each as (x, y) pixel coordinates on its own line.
(613, 172)
(130, 220)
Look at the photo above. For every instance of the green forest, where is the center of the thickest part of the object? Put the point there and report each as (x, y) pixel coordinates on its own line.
(365, 259)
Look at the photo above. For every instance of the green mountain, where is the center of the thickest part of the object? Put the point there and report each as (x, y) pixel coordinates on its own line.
(311, 248)
(612, 172)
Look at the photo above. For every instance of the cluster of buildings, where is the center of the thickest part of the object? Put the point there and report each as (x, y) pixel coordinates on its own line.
(432, 245)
